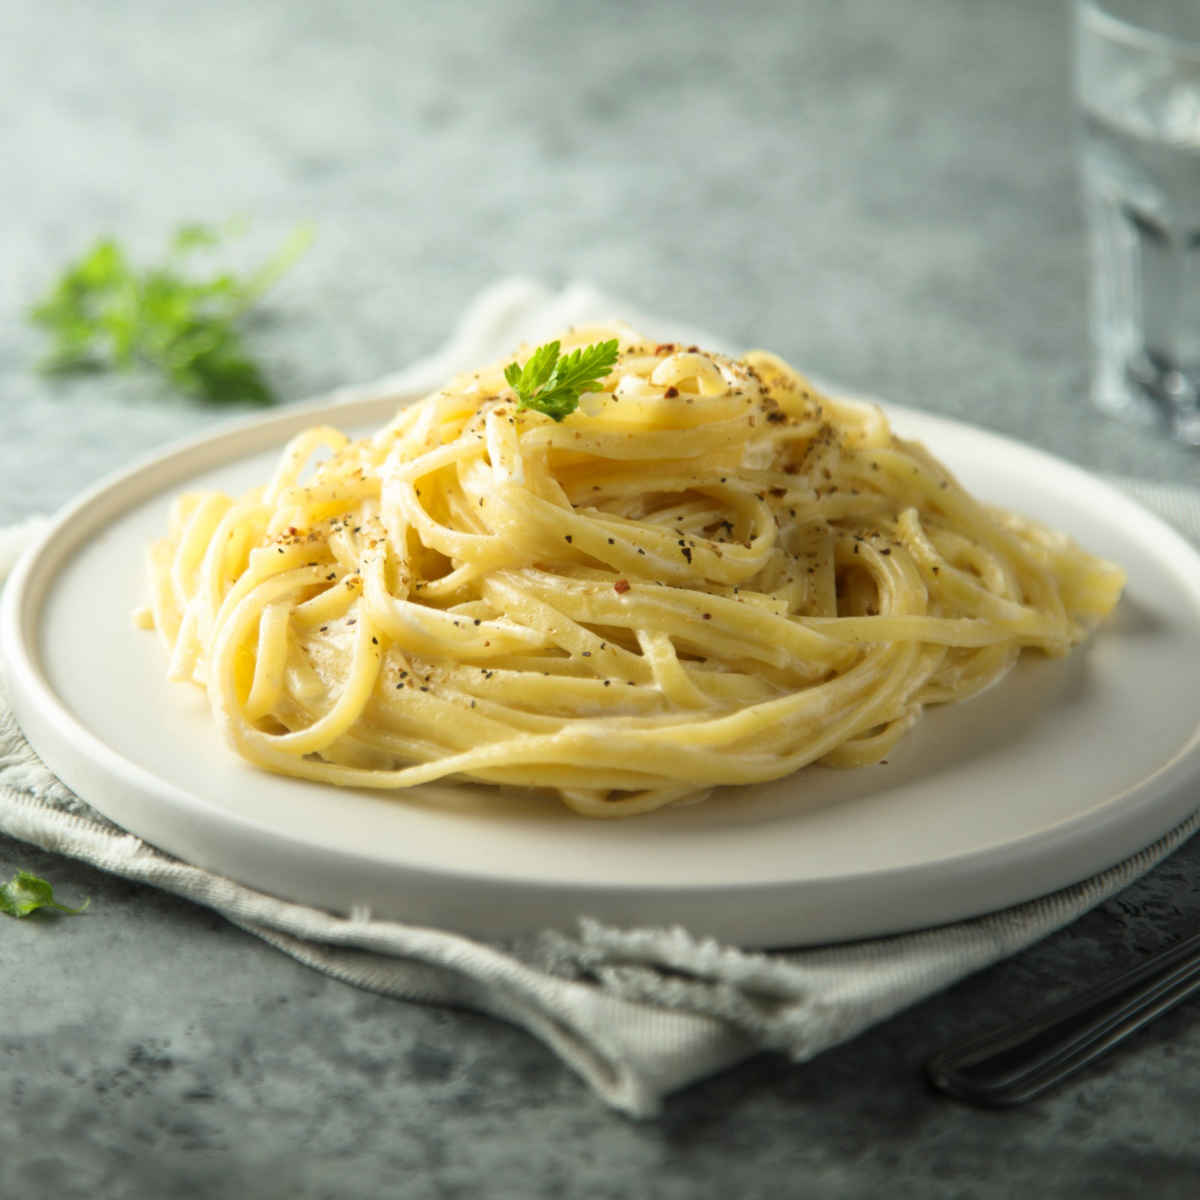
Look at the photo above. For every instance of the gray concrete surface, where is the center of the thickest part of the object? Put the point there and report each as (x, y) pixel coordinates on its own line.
(884, 193)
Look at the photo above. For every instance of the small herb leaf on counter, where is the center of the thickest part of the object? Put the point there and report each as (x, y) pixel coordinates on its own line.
(25, 893)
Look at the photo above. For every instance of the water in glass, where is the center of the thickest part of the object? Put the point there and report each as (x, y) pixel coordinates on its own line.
(1140, 97)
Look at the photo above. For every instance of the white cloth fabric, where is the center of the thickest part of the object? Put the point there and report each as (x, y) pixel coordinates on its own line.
(638, 1013)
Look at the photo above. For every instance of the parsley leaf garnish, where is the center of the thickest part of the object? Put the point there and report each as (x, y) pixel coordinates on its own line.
(25, 893)
(105, 313)
(552, 384)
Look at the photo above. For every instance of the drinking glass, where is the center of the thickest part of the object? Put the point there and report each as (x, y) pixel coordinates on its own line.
(1138, 86)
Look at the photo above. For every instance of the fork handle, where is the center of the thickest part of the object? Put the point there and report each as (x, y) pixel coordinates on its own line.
(1015, 1064)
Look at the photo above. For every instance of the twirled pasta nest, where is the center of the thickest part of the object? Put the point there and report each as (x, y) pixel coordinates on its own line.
(708, 574)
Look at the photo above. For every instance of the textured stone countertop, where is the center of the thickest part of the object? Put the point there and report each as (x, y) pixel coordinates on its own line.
(885, 194)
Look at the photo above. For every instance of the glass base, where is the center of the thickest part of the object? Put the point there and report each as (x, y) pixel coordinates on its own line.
(1145, 395)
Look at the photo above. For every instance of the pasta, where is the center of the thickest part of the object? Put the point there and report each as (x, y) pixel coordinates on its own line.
(709, 574)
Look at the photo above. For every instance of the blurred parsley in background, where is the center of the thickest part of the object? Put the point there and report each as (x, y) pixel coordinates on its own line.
(105, 313)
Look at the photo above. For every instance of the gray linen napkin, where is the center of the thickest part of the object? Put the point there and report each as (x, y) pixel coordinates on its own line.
(639, 1013)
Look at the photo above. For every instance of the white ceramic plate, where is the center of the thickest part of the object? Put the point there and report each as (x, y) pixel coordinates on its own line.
(1061, 770)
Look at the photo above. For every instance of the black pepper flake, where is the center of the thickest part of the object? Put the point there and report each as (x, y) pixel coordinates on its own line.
(708, 616)
(687, 553)
(351, 620)
(567, 538)
(885, 550)
(607, 682)
(374, 641)
(477, 621)
(587, 654)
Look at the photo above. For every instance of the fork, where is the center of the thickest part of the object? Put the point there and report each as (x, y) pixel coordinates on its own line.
(1012, 1065)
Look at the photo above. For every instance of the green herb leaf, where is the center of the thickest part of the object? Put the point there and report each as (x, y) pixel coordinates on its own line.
(553, 385)
(103, 313)
(26, 893)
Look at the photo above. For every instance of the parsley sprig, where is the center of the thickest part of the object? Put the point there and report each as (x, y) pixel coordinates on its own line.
(25, 893)
(105, 313)
(552, 383)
